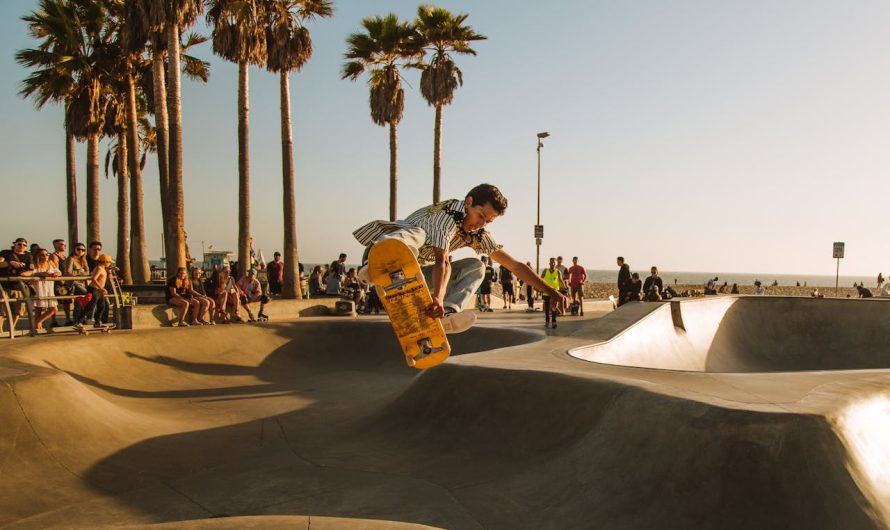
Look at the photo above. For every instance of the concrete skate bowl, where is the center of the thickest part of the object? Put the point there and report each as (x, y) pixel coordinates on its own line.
(754, 334)
(319, 424)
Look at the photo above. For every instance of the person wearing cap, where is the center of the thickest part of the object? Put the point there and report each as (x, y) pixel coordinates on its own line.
(17, 261)
(251, 292)
(97, 291)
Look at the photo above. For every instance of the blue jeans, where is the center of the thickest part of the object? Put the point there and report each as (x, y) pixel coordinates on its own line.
(466, 273)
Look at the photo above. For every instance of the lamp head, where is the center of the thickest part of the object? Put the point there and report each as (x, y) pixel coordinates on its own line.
(543, 134)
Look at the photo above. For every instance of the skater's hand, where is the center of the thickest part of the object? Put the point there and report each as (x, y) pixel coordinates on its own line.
(435, 310)
(558, 301)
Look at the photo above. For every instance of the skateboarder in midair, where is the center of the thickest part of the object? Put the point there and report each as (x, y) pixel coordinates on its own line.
(433, 232)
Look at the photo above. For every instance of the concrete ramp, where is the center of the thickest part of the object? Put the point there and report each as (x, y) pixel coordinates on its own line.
(753, 334)
(318, 424)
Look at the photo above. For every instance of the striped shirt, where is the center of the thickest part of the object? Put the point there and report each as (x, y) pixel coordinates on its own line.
(441, 224)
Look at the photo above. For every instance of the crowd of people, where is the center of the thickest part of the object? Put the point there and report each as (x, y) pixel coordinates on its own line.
(81, 295)
(78, 284)
(202, 299)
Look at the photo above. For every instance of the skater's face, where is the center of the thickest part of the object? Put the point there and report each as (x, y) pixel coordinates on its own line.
(477, 216)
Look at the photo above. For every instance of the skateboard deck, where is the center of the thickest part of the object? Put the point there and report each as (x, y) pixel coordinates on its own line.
(402, 289)
(105, 328)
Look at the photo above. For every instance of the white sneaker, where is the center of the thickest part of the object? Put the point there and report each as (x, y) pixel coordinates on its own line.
(458, 322)
(363, 275)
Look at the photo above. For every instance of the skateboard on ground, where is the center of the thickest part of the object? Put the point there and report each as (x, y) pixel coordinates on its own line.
(402, 289)
(104, 328)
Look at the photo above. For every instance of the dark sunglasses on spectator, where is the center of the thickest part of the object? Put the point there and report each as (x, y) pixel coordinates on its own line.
(80, 249)
(22, 244)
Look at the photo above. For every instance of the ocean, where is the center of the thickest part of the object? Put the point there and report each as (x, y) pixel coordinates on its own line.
(741, 278)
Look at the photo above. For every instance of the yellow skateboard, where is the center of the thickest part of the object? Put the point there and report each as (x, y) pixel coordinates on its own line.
(403, 291)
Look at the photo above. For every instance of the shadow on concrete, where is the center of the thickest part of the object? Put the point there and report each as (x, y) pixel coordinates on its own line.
(324, 419)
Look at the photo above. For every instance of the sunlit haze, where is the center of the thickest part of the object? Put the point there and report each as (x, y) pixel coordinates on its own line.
(692, 135)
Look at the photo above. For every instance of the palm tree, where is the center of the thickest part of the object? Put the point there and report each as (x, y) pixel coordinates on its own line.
(289, 47)
(132, 36)
(239, 36)
(89, 101)
(116, 164)
(442, 34)
(141, 86)
(53, 79)
(385, 45)
(152, 16)
(166, 21)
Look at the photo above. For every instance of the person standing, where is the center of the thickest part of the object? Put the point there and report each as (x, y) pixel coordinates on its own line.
(880, 280)
(509, 292)
(577, 277)
(275, 274)
(19, 262)
(339, 267)
(44, 309)
(553, 278)
(96, 307)
(529, 292)
(489, 277)
(623, 280)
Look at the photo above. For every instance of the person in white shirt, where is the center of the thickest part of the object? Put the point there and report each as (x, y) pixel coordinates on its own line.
(759, 289)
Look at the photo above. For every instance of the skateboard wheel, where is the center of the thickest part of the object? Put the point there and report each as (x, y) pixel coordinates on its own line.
(410, 361)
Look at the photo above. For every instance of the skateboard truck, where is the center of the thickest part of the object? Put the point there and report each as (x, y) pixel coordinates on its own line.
(398, 280)
(426, 348)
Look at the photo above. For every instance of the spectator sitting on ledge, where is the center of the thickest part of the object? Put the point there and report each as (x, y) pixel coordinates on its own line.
(334, 283)
(252, 292)
(179, 296)
(18, 262)
(199, 291)
(315, 281)
(863, 292)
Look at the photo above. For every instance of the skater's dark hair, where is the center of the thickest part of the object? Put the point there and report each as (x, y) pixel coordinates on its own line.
(486, 193)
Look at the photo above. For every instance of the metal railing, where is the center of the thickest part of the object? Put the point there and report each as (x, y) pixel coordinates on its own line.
(28, 299)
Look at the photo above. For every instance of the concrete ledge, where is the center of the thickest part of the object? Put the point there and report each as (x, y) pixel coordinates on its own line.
(153, 316)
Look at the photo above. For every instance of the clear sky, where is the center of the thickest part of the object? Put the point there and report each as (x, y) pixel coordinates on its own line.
(695, 135)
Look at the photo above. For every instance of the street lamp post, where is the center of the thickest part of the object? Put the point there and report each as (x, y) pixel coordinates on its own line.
(539, 230)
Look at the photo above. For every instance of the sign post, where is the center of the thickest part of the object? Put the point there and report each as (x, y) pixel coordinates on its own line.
(838, 254)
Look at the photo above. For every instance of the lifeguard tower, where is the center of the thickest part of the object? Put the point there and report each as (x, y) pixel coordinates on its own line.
(217, 259)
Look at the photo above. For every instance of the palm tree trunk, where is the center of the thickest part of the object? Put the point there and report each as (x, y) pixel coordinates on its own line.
(290, 287)
(93, 228)
(243, 172)
(71, 187)
(437, 156)
(176, 233)
(393, 171)
(162, 126)
(138, 257)
(123, 212)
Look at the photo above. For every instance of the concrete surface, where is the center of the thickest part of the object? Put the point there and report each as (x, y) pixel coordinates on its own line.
(317, 422)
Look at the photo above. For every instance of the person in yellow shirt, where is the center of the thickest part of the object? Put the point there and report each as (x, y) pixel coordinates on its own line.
(553, 278)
